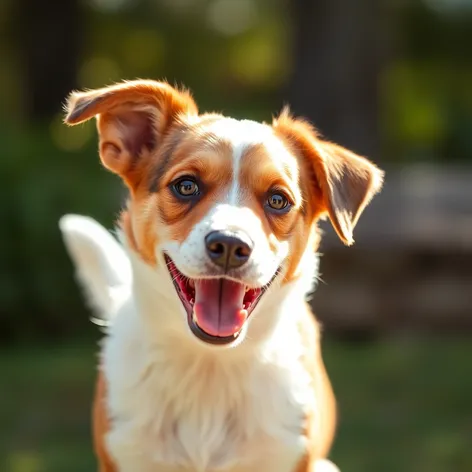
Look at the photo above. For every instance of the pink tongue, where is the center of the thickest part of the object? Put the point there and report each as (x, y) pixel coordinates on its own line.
(218, 308)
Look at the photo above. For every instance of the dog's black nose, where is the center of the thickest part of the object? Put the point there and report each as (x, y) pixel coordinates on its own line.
(227, 249)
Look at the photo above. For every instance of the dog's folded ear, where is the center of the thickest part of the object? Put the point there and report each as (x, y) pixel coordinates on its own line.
(347, 181)
(102, 266)
(132, 117)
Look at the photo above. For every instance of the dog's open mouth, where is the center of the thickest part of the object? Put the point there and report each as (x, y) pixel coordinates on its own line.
(217, 308)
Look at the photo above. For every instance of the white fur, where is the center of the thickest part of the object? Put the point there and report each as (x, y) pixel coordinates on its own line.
(102, 267)
(325, 465)
(228, 214)
(240, 134)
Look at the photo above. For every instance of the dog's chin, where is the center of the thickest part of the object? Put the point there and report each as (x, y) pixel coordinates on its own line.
(218, 308)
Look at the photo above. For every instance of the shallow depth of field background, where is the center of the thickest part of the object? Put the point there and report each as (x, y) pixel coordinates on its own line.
(391, 79)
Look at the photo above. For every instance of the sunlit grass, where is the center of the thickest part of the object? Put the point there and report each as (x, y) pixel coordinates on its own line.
(44, 414)
(404, 406)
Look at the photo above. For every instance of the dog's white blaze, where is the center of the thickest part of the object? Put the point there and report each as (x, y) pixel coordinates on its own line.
(241, 134)
(234, 192)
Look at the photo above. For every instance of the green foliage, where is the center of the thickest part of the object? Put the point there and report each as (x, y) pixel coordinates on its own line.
(39, 182)
(426, 98)
(402, 405)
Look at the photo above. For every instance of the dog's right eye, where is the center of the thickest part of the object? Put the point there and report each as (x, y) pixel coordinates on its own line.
(186, 187)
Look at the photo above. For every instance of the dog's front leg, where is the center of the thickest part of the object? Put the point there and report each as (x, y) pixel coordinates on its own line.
(100, 428)
(323, 465)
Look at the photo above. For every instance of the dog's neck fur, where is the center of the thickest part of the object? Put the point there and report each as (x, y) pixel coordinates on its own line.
(206, 406)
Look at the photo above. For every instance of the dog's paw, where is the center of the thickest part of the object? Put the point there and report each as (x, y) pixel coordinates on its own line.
(325, 465)
(102, 266)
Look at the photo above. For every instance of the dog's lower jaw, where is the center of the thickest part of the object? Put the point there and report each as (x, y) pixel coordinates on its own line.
(165, 318)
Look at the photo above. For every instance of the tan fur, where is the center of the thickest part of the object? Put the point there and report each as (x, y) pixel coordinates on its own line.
(348, 182)
(321, 425)
(132, 119)
(100, 423)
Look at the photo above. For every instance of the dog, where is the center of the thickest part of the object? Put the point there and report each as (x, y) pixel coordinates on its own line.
(211, 360)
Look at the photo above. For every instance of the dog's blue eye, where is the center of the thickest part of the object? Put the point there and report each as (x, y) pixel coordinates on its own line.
(186, 187)
(277, 201)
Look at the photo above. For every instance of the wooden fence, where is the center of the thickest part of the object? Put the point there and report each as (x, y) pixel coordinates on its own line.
(411, 266)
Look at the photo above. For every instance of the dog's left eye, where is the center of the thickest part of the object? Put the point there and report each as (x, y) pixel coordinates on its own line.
(278, 202)
(186, 187)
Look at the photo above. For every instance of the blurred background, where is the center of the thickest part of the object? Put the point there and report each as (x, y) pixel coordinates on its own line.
(390, 79)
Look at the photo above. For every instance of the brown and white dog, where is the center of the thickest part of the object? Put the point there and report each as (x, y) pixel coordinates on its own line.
(211, 361)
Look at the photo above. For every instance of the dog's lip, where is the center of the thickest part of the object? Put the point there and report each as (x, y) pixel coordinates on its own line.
(188, 306)
(208, 338)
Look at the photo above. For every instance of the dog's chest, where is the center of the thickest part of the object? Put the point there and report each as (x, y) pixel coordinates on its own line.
(187, 413)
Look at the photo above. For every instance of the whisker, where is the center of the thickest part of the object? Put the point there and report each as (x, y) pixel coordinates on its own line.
(319, 279)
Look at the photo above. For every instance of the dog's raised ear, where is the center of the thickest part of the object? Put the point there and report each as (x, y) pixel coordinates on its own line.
(132, 117)
(347, 181)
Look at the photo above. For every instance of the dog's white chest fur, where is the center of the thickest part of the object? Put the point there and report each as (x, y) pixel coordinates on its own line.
(177, 409)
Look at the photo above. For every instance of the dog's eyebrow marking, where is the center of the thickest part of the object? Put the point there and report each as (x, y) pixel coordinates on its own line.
(165, 158)
(168, 151)
(206, 141)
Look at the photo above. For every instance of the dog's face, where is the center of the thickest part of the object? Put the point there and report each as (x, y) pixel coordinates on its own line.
(225, 207)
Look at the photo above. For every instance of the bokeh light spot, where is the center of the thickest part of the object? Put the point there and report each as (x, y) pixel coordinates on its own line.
(25, 461)
(231, 17)
(111, 5)
(98, 71)
(257, 60)
(143, 50)
(67, 138)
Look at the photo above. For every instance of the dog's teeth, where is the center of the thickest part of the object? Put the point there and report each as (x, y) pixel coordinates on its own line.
(247, 289)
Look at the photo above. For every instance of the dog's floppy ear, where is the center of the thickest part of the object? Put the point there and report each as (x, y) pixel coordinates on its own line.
(347, 181)
(132, 118)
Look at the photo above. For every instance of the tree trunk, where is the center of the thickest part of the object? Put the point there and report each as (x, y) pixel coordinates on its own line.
(50, 39)
(339, 46)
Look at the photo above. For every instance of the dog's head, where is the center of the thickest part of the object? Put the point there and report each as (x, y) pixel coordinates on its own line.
(224, 207)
